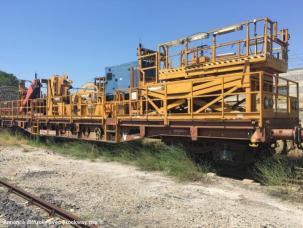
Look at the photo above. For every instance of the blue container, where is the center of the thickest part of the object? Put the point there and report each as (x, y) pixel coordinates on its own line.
(118, 77)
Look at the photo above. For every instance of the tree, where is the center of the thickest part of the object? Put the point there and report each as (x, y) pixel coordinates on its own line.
(8, 79)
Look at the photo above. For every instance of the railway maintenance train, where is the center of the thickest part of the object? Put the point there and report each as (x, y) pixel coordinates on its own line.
(221, 88)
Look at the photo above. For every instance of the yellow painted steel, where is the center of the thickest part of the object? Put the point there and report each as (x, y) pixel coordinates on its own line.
(198, 82)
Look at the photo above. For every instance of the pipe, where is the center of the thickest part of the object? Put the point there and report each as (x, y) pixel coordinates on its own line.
(295, 134)
(282, 133)
(285, 133)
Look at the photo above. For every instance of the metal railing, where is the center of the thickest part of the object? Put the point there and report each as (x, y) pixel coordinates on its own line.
(256, 95)
(266, 43)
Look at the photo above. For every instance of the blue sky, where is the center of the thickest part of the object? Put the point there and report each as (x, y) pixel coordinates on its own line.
(81, 37)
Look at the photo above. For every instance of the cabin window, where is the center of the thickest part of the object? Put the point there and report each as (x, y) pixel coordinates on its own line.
(109, 76)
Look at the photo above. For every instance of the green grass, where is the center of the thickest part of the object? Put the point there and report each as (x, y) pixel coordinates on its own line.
(274, 170)
(147, 155)
(153, 155)
(8, 138)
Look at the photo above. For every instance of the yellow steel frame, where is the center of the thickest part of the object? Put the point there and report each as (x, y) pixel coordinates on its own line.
(215, 87)
(268, 50)
(203, 98)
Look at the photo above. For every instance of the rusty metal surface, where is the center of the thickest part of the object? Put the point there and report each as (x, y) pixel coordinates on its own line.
(283, 133)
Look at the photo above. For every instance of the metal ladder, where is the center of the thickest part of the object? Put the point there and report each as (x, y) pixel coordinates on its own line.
(111, 131)
(35, 128)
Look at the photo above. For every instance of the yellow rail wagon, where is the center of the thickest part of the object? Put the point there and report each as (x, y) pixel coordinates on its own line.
(220, 85)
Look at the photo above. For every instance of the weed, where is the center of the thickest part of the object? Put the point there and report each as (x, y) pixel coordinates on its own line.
(9, 138)
(273, 171)
(147, 155)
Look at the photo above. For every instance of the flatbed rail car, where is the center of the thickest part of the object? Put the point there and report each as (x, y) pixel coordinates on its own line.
(199, 87)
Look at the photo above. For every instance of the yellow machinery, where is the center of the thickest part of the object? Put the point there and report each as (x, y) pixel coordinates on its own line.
(222, 84)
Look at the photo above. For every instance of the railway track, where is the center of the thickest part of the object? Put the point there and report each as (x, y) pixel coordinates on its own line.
(52, 210)
(299, 175)
(299, 172)
(298, 179)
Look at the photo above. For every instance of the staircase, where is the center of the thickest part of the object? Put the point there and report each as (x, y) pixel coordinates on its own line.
(35, 128)
(111, 131)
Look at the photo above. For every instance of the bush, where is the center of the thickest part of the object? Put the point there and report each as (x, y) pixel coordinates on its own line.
(274, 170)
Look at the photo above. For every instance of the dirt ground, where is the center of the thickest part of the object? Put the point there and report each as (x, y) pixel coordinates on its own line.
(122, 196)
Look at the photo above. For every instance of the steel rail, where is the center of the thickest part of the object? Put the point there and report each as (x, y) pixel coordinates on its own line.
(50, 208)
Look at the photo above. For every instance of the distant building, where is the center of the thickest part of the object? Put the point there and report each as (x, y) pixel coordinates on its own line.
(296, 74)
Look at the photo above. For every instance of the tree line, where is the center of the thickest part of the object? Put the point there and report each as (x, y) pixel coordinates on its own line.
(7, 79)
